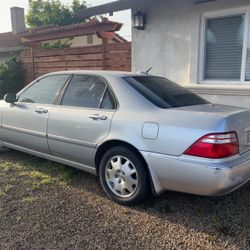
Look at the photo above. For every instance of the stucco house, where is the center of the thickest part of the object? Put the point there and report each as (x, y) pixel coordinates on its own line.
(203, 45)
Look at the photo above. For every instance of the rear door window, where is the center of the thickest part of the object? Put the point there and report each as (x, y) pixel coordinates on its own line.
(84, 91)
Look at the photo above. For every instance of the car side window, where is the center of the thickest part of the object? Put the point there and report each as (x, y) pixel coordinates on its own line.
(84, 91)
(108, 101)
(44, 91)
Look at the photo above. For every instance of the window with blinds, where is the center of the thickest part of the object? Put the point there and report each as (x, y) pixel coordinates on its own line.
(227, 48)
(224, 44)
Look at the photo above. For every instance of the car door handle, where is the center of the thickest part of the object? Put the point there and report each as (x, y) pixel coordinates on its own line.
(41, 111)
(98, 117)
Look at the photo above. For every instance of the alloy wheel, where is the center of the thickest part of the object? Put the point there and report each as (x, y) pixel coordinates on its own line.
(121, 176)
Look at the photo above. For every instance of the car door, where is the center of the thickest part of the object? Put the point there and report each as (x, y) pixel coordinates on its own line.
(82, 120)
(24, 124)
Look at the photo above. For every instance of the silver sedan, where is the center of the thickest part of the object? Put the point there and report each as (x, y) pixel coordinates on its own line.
(138, 133)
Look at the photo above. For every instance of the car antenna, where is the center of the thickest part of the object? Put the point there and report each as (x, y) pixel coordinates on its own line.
(148, 70)
(144, 72)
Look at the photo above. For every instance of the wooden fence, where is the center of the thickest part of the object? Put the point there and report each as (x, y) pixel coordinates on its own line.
(103, 57)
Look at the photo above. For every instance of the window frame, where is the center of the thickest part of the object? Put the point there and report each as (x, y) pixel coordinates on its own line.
(107, 88)
(202, 57)
(39, 79)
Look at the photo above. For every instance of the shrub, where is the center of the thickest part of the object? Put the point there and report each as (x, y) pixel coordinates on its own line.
(11, 76)
(57, 44)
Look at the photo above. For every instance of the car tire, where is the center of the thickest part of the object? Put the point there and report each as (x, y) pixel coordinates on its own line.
(123, 176)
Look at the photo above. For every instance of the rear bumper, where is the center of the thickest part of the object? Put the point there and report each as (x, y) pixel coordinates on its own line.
(197, 175)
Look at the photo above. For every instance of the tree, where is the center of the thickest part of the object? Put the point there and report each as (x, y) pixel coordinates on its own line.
(44, 12)
(11, 76)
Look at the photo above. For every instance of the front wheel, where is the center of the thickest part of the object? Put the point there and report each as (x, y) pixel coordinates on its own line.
(123, 176)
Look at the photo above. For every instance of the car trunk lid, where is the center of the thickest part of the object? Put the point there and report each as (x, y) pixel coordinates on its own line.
(238, 120)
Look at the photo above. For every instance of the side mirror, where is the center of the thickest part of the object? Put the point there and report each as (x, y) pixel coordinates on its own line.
(10, 98)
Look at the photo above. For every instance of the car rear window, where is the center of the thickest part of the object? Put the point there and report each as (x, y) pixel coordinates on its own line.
(164, 93)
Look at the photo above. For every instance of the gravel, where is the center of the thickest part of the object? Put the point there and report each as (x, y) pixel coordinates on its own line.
(78, 215)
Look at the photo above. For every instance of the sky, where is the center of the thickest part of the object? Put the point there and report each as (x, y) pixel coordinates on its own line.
(5, 20)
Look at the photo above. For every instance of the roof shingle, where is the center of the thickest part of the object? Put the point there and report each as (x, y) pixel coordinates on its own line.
(8, 40)
(56, 28)
(49, 32)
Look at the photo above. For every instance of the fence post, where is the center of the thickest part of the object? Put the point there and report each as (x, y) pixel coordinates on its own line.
(65, 59)
(32, 63)
(104, 43)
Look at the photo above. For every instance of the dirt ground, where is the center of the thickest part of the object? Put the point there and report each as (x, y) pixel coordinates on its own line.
(44, 205)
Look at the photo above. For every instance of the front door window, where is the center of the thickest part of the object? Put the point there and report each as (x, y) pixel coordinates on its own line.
(45, 90)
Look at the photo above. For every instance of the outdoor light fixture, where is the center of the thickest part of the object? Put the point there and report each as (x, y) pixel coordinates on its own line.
(139, 20)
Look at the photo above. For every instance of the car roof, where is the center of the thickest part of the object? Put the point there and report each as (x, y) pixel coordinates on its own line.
(98, 72)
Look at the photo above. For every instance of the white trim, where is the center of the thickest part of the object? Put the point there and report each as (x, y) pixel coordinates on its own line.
(215, 82)
(228, 12)
(202, 51)
(244, 49)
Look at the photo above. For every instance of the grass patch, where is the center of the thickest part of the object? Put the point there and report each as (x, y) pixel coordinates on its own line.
(5, 190)
(6, 166)
(18, 219)
(38, 179)
(42, 178)
(2, 194)
(48, 171)
(37, 172)
(29, 199)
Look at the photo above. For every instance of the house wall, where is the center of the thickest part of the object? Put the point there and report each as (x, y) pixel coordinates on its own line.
(83, 41)
(170, 44)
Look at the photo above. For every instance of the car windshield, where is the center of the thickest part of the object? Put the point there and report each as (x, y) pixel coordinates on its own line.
(164, 93)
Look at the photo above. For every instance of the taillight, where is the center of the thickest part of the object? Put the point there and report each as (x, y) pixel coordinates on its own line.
(215, 146)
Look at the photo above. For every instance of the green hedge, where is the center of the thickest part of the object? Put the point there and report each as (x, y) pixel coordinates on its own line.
(11, 76)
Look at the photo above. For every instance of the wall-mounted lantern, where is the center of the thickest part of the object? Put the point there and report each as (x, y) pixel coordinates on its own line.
(139, 20)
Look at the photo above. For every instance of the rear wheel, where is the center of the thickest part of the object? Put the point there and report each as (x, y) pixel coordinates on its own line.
(123, 176)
